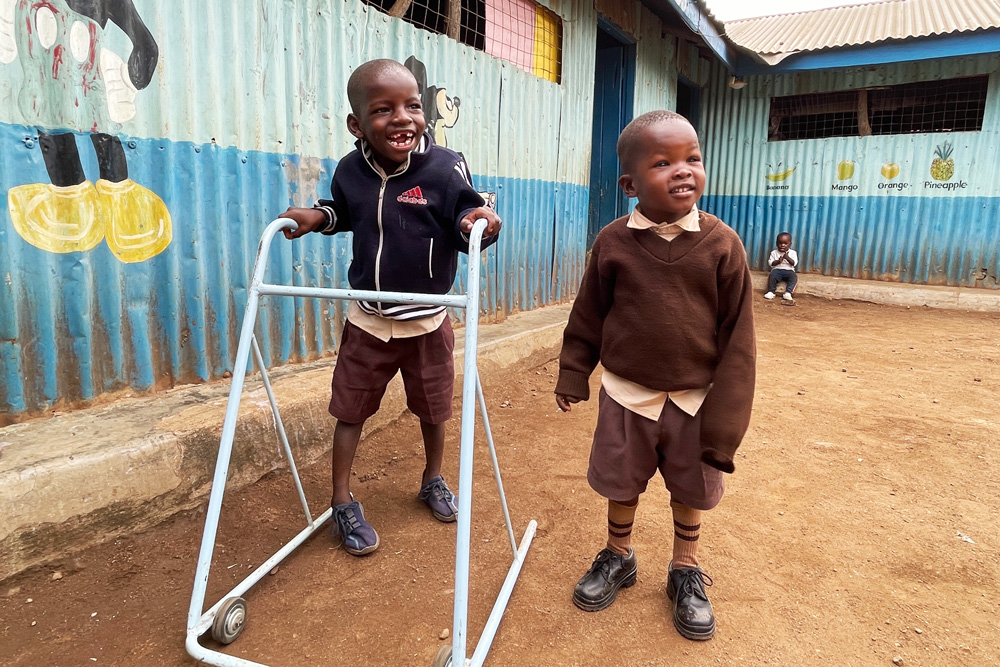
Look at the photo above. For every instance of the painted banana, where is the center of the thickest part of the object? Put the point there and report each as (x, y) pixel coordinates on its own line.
(780, 176)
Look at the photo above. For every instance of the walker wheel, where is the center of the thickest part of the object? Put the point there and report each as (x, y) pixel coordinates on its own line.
(443, 657)
(229, 620)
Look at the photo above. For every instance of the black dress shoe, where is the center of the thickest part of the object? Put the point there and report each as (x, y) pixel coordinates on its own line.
(693, 616)
(609, 572)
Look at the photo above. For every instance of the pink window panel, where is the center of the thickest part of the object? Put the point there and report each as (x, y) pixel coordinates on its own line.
(510, 31)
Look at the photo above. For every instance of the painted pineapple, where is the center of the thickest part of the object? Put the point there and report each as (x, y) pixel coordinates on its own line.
(943, 167)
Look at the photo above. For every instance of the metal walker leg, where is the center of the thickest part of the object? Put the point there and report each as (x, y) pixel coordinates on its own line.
(226, 617)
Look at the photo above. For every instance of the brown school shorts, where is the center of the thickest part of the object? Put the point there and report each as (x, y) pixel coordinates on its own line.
(629, 449)
(365, 365)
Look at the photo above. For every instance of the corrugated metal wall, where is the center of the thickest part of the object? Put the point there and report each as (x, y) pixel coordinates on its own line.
(656, 66)
(244, 116)
(656, 53)
(903, 228)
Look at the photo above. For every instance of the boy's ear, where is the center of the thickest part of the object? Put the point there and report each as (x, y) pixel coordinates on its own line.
(354, 126)
(626, 184)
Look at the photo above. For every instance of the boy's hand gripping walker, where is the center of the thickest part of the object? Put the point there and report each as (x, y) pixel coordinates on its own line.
(225, 619)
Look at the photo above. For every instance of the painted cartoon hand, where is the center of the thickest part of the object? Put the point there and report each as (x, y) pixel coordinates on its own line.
(118, 87)
(8, 45)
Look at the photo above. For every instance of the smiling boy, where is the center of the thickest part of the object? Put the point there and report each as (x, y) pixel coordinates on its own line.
(411, 205)
(665, 307)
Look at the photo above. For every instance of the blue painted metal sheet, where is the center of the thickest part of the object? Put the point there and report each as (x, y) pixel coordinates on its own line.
(226, 136)
(927, 240)
(859, 207)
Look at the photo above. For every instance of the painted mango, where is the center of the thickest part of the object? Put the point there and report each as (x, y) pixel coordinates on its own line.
(780, 176)
(890, 170)
(845, 170)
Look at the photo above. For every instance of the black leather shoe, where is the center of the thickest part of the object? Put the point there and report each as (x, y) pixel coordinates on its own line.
(610, 571)
(693, 616)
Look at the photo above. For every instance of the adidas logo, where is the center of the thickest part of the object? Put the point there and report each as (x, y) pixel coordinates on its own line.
(413, 196)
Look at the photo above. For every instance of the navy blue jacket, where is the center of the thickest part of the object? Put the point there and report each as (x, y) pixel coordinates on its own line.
(406, 224)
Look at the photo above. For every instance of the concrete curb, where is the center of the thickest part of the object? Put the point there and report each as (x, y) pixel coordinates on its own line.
(892, 294)
(81, 478)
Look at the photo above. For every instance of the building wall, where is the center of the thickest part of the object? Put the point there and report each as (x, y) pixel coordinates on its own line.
(908, 228)
(656, 66)
(656, 53)
(227, 134)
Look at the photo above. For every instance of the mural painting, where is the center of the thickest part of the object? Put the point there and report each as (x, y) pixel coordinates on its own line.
(75, 87)
(441, 112)
(777, 174)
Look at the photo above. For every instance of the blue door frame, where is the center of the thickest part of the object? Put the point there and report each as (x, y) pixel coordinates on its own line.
(614, 89)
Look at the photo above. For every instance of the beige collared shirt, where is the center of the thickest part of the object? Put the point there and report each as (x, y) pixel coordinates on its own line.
(666, 230)
(644, 401)
(385, 328)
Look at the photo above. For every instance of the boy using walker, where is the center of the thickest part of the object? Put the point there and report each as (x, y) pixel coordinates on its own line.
(411, 205)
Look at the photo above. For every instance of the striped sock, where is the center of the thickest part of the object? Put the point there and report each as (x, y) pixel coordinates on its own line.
(620, 519)
(687, 527)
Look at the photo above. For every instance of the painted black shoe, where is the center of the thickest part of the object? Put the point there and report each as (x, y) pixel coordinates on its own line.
(609, 572)
(693, 615)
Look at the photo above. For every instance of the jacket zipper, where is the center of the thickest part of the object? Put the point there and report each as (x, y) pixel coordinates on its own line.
(381, 195)
(430, 259)
(378, 254)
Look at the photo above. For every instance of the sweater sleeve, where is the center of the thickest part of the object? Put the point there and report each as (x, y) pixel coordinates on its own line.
(338, 217)
(581, 347)
(462, 198)
(726, 410)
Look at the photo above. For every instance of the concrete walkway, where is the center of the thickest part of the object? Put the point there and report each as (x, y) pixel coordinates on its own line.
(892, 294)
(84, 477)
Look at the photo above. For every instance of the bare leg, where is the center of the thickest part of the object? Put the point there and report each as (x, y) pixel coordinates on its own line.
(433, 449)
(62, 158)
(345, 444)
(110, 157)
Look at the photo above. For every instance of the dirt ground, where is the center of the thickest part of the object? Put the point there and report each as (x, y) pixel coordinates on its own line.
(860, 528)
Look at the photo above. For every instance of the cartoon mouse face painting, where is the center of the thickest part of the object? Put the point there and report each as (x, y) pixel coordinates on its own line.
(440, 109)
(441, 112)
(74, 86)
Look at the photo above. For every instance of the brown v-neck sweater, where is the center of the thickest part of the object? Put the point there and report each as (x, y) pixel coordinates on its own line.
(669, 316)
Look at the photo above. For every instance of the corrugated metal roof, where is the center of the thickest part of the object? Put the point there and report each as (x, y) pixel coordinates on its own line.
(774, 38)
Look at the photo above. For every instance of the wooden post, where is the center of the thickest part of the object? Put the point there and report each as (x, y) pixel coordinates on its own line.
(454, 19)
(864, 127)
(399, 9)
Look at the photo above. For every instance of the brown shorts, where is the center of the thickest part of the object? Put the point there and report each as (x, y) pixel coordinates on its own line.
(628, 450)
(365, 365)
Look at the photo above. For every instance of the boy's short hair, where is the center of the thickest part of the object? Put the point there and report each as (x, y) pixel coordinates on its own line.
(776, 238)
(362, 77)
(628, 142)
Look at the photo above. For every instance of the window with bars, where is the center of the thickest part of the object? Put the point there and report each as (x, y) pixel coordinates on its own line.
(954, 105)
(519, 31)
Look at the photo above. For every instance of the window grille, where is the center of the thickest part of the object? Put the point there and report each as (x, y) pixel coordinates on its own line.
(814, 116)
(955, 105)
(521, 32)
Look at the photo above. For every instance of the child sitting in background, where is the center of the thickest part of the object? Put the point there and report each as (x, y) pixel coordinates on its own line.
(782, 261)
